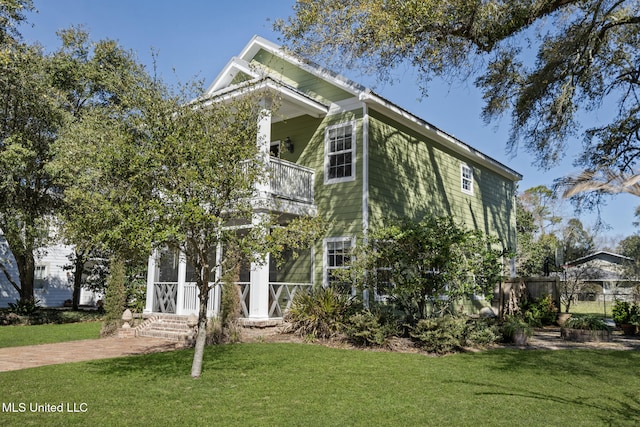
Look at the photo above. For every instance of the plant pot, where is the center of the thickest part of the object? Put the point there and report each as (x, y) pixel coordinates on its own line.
(562, 318)
(583, 335)
(519, 337)
(628, 328)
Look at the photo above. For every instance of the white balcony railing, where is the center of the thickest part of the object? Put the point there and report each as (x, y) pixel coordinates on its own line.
(291, 181)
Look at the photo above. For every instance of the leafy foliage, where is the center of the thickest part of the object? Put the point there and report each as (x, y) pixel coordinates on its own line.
(449, 334)
(625, 312)
(542, 312)
(587, 322)
(115, 298)
(586, 62)
(430, 264)
(24, 307)
(372, 327)
(318, 313)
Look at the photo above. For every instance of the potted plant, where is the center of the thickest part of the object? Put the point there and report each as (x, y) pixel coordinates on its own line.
(516, 330)
(626, 316)
(586, 328)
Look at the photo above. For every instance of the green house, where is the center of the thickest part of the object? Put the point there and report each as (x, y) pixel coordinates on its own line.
(338, 150)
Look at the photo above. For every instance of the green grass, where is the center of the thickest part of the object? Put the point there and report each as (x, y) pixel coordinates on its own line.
(13, 336)
(309, 385)
(596, 308)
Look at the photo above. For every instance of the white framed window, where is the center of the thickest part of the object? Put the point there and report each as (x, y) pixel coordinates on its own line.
(39, 276)
(466, 179)
(274, 149)
(340, 153)
(337, 256)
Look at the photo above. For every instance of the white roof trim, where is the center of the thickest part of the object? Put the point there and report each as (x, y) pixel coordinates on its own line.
(242, 63)
(228, 73)
(309, 105)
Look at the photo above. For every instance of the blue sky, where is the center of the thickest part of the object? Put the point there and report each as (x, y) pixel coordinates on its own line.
(196, 38)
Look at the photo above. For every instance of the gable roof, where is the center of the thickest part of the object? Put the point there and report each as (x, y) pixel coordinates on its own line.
(227, 83)
(600, 255)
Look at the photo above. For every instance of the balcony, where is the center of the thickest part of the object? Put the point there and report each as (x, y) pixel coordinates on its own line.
(289, 189)
(291, 181)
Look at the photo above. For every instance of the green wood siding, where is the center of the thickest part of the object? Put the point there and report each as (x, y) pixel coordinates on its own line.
(300, 79)
(295, 270)
(410, 176)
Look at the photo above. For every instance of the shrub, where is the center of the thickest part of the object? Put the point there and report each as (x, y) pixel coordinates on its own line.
(115, 299)
(318, 313)
(371, 327)
(623, 312)
(25, 307)
(587, 322)
(511, 324)
(440, 335)
(482, 332)
(541, 312)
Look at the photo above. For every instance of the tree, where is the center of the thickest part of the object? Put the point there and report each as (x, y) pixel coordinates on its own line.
(576, 241)
(574, 283)
(88, 76)
(12, 13)
(537, 220)
(587, 60)
(42, 95)
(419, 263)
(630, 247)
(172, 173)
(30, 194)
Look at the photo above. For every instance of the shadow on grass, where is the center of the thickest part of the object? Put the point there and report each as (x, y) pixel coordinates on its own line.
(575, 378)
(226, 357)
(579, 361)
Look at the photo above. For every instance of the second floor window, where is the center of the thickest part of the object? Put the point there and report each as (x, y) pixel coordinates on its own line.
(340, 153)
(466, 176)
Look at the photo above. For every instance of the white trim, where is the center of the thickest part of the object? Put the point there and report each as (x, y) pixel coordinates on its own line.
(351, 177)
(325, 266)
(365, 168)
(463, 178)
(41, 281)
(423, 127)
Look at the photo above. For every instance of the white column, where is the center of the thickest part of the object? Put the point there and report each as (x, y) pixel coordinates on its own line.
(259, 281)
(217, 293)
(151, 275)
(182, 275)
(263, 141)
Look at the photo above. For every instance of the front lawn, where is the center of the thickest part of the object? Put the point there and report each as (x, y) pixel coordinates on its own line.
(310, 385)
(13, 336)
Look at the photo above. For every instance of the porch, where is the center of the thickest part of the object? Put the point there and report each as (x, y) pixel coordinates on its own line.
(171, 298)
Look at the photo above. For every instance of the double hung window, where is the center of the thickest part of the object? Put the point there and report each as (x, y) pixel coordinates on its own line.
(340, 156)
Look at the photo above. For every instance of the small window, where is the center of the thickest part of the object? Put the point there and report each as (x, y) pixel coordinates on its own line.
(340, 153)
(466, 179)
(39, 276)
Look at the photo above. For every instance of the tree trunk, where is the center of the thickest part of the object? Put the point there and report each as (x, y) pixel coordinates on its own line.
(26, 270)
(201, 337)
(77, 278)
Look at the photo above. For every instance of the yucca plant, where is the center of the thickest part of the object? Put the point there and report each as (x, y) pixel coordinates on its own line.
(318, 313)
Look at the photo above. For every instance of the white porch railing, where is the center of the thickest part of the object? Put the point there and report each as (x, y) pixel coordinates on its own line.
(165, 295)
(191, 302)
(280, 296)
(291, 181)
